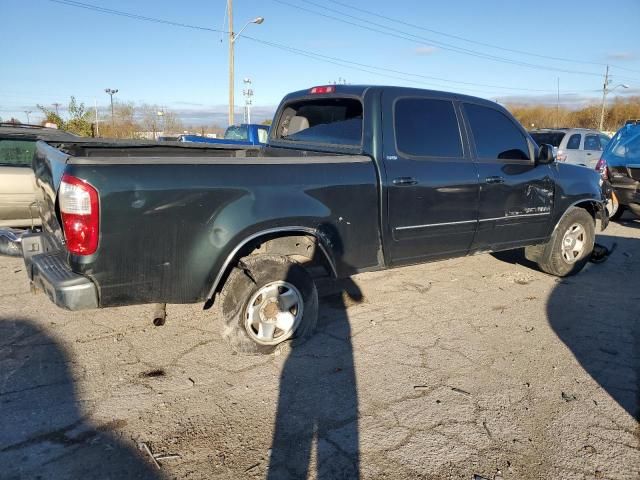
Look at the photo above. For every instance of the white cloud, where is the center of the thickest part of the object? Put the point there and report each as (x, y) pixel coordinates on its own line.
(425, 50)
(621, 55)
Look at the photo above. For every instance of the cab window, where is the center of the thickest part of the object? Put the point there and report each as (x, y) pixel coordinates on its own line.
(495, 135)
(574, 142)
(427, 128)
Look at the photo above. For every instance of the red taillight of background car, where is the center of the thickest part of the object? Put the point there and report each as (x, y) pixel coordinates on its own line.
(561, 156)
(602, 168)
(80, 212)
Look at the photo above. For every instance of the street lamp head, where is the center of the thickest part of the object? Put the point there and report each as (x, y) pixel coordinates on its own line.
(258, 20)
(624, 85)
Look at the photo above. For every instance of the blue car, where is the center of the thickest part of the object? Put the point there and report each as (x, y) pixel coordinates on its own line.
(620, 164)
(245, 134)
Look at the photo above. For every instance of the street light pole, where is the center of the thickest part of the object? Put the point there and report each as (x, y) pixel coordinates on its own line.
(232, 39)
(231, 62)
(605, 91)
(111, 92)
(28, 112)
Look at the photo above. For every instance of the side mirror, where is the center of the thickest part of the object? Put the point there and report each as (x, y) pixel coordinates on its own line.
(545, 154)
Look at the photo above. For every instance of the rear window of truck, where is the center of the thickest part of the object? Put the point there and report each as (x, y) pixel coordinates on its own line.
(334, 121)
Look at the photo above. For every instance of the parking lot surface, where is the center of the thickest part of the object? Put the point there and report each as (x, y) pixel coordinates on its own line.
(474, 366)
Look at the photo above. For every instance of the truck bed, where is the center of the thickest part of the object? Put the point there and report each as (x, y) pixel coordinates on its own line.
(165, 232)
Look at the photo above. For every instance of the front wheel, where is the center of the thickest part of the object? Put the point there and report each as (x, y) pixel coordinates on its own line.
(570, 246)
(266, 301)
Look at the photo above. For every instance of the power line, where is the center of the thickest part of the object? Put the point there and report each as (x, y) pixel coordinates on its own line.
(388, 31)
(457, 37)
(334, 60)
(88, 6)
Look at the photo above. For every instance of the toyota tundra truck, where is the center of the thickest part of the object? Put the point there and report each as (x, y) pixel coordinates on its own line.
(353, 179)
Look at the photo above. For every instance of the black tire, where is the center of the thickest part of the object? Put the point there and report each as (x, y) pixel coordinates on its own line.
(252, 274)
(551, 259)
(619, 212)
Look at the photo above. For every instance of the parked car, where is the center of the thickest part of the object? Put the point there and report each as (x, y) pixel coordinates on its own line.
(354, 179)
(17, 183)
(621, 164)
(245, 134)
(577, 146)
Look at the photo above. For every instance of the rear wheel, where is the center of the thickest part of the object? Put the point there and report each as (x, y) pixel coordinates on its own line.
(268, 300)
(570, 246)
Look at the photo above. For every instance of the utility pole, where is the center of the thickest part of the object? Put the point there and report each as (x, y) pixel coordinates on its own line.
(56, 106)
(248, 99)
(605, 91)
(604, 97)
(231, 61)
(111, 92)
(232, 39)
(95, 104)
(28, 112)
(558, 106)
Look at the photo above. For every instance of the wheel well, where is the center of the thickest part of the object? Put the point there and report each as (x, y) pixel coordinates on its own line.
(303, 247)
(590, 207)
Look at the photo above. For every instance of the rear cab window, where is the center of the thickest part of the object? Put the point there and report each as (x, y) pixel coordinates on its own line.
(427, 127)
(495, 135)
(549, 138)
(17, 153)
(324, 121)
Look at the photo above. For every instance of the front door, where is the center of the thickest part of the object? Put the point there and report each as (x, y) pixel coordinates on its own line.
(432, 183)
(516, 195)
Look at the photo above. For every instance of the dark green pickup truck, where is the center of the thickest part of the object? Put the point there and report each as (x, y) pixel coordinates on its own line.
(354, 178)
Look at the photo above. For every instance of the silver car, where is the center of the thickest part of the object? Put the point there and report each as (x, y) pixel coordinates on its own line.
(578, 146)
(17, 181)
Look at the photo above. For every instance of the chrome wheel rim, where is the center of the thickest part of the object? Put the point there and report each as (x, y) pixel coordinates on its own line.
(573, 243)
(273, 313)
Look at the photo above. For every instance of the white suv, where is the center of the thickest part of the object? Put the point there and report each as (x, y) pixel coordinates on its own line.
(579, 146)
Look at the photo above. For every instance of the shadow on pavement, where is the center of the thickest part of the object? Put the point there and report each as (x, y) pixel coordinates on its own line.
(597, 315)
(318, 400)
(42, 430)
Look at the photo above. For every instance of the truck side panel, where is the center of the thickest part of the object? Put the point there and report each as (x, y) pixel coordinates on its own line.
(167, 229)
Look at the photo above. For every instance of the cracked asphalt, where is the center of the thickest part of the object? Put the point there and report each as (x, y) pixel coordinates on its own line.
(474, 366)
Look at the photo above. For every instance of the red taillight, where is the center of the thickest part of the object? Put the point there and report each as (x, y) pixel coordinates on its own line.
(561, 156)
(80, 215)
(602, 168)
(326, 89)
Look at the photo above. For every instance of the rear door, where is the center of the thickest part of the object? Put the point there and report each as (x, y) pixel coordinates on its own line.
(516, 195)
(432, 189)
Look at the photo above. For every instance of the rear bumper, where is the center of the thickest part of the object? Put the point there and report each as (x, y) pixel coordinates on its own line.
(51, 273)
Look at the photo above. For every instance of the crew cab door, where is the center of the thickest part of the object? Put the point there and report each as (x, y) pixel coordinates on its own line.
(516, 194)
(432, 183)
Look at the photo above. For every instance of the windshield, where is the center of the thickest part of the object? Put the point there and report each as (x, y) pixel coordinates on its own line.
(326, 121)
(624, 147)
(239, 132)
(551, 138)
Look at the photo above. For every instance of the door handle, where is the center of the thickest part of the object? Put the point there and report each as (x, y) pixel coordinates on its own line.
(495, 179)
(403, 181)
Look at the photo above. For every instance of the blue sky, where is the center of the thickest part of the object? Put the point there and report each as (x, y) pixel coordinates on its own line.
(54, 50)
